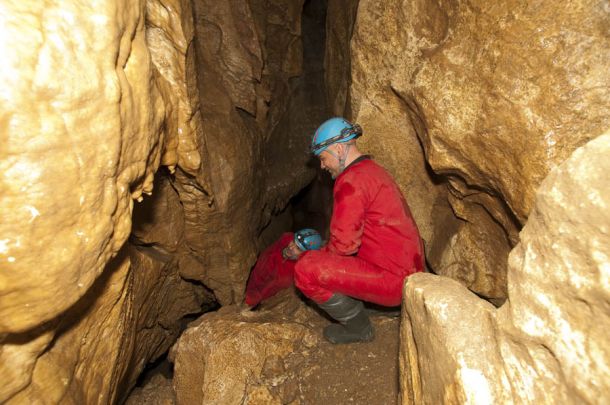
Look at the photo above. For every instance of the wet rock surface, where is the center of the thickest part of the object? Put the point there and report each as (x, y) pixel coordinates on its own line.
(548, 343)
(68, 202)
(84, 125)
(260, 103)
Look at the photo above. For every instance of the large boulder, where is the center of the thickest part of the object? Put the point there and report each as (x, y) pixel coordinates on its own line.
(227, 357)
(549, 342)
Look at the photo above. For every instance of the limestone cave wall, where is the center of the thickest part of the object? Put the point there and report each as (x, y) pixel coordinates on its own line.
(149, 147)
(145, 147)
(548, 344)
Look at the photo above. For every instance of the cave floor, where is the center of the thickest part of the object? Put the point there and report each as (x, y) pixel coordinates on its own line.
(364, 373)
(360, 373)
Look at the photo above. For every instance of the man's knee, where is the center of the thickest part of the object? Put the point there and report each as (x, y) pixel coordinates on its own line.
(310, 276)
(306, 270)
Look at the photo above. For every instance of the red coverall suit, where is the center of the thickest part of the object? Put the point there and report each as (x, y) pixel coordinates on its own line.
(374, 242)
(271, 273)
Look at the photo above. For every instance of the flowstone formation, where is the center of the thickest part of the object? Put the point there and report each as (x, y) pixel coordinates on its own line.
(549, 342)
(86, 125)
(495, 95)
(102, 105)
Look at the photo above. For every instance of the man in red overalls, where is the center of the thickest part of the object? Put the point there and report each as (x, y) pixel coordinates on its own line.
(374, 242)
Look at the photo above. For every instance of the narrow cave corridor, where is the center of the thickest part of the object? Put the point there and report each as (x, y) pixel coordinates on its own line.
(152, 150)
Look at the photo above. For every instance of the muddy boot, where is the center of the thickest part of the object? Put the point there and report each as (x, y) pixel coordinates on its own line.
(354, 321)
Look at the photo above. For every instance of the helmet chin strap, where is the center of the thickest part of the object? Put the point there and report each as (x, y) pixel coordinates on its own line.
(341, 159)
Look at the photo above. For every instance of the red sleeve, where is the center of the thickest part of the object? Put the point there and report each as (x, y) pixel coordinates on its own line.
(268, 276)
(347, 222)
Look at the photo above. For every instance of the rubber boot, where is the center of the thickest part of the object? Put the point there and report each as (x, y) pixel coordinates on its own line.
(354, 321)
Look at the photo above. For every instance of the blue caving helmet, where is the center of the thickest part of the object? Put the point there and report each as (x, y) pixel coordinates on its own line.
(308, 239)
(331, 131)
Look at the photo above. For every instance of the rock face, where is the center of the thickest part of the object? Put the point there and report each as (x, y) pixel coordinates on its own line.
(259, 106)
(497, 95)
(224, 356)
(83, 134)
(68, 199)
(549, 342)
(96, 98)
(158, 391)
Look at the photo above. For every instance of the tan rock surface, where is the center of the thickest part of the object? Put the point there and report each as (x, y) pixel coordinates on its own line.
(158, 391)
(81, 134)
(549, 342)
(84, 130)
(256, 126)
(559, 285)
(169, 34)
(509, 91)
(130, 316)
(478, 266)
(497, 95)
(159, 219)
(224, 356)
